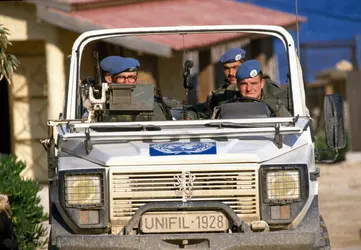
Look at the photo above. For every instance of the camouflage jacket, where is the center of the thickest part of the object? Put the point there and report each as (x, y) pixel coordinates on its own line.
(276, 104)
(215, 98)
(274, 90)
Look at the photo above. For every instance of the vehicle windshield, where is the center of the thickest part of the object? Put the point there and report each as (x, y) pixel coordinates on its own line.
(183, 76)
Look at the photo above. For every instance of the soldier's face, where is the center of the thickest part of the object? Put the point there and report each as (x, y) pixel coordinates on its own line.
(251, 87)
(230, 70)
(123, 78)
(126, 78)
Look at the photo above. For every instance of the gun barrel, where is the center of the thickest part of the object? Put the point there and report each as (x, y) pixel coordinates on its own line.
(98, 79)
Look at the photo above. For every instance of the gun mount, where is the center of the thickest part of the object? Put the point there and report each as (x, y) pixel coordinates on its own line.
(121, 99)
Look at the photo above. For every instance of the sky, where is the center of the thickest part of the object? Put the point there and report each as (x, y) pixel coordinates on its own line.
(327, 20)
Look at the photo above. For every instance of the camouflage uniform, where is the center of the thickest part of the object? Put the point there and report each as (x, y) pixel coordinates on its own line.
(219, 96)
(276, 104)
(215, 98)
(271, 88)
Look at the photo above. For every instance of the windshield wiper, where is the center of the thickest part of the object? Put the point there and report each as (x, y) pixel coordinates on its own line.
(114, 128)
(278, 140)
(238, 125)
(124, 128)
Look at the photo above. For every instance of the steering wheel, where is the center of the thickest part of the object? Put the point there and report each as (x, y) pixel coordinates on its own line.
(251, 99)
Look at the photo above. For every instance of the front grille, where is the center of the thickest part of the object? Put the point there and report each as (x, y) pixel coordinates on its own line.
(236, 188)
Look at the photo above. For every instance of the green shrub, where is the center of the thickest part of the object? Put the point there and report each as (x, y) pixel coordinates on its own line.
(27, 212)
(321, 143)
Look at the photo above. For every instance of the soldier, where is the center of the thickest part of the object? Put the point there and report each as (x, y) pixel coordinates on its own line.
(120, 69)
(231, 60)
(123, 70)
(251, 82)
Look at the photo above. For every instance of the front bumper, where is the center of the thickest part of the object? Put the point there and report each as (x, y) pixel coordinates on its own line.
(305, 236)
(264, 240)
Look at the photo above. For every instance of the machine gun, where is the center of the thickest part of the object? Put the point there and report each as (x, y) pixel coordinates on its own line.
(123, 102)
(93, 91)
(94, 82)
(187, 84)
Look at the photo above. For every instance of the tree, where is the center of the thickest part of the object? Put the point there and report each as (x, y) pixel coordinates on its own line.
(21, 213)
(8, 62)
(27, 213)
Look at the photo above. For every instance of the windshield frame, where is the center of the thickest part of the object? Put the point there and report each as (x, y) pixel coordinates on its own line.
(74, 81)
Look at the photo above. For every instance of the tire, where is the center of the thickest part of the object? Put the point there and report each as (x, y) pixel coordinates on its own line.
(50, 242)
(324, 243)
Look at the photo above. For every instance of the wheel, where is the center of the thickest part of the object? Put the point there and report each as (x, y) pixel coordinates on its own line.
(324, 242)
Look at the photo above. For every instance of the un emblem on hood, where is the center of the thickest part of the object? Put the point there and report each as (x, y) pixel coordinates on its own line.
(184, 185)
(182, 148)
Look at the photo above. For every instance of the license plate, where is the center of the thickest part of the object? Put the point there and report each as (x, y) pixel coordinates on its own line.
(183, 222)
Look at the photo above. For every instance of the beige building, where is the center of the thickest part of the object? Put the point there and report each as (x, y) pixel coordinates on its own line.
(42, 34)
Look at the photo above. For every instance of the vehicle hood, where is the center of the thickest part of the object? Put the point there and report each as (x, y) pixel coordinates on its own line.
(251, 149)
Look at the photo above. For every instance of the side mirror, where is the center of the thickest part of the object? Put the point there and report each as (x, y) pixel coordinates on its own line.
(334, 122)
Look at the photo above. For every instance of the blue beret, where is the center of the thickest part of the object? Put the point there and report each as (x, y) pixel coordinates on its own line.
(248, 69)
(117, 64)
(233, 55)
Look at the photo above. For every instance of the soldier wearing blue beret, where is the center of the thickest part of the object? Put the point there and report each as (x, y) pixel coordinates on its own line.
(249, 79)
(250, 82)
(124, 70)
(117, 69)
(230, 61)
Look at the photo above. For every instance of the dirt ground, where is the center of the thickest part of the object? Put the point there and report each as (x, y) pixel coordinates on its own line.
(340, 201)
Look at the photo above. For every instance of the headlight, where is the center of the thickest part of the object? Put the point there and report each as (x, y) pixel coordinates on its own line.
(283, 185)
(83, 189)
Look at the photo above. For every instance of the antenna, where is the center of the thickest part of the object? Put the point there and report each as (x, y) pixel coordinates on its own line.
(297, 30)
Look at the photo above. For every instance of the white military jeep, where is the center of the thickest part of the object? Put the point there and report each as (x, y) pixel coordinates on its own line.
(244, 183)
